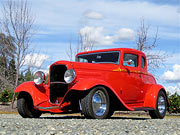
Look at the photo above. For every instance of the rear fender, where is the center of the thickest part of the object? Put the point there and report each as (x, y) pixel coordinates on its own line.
(37, 92)
(87, 84)
(151, 96)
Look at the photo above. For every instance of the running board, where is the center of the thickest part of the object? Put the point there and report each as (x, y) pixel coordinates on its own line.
(143, 109)
(54, 107)
(48, 108)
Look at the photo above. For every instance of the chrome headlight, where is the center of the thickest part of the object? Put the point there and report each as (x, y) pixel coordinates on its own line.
(39, 77)
(69, 75)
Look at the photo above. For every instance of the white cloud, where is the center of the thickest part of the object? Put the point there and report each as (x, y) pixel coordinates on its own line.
(173, 89)
(56, 15)
(172, 76)
(46, 71)
(125, 34)
(129, 9)
(35, 60)
(93, 15)
(99, 37)
(96, 34)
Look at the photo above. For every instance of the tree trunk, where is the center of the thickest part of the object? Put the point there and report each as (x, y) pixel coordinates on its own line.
(16, 84)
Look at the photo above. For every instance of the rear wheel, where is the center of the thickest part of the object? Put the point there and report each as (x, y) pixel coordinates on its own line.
(26, 108)
(161, 107)
(96, 104)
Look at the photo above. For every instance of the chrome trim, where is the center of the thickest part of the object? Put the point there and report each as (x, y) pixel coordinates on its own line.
(58, 82)
(80, 107)
(47, 108)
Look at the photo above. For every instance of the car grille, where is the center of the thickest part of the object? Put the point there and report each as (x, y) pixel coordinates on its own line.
(58, 87)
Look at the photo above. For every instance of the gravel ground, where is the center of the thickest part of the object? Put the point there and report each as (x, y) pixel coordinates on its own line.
(13, 124)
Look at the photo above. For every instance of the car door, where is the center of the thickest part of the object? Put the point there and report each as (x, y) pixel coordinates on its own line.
(131, 79)
(145, 78)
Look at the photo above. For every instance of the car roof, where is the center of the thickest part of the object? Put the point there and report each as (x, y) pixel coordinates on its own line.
(112, 49)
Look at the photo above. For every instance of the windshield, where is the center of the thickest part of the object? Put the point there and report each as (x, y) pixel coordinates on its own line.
(100, 57)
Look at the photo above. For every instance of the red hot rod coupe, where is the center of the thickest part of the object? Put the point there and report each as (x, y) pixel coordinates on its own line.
(97, 84)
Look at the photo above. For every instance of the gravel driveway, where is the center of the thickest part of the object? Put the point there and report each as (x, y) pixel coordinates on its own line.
(13, 124)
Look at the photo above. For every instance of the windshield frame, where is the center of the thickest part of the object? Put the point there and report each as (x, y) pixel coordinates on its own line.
(101, 53)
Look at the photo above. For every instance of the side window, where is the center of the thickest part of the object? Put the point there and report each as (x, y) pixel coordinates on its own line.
(82, 60)
(130, 60)
(142, 62)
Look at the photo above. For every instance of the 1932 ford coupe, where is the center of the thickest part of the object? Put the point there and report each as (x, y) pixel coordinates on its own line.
(96, 84)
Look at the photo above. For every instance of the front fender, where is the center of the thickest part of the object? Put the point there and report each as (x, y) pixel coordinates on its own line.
(38, 93)
(86, 84)
(151, 96)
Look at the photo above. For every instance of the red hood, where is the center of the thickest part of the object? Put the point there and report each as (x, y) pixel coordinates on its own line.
(88, 66)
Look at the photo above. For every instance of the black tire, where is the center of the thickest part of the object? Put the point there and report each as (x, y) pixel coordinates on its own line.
(93, 106)
(160, 111)
(111, 112)
(25, 107)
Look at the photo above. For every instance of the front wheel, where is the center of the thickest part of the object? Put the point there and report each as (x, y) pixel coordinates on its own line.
(161, 107)
(96, 104)
(26, 108)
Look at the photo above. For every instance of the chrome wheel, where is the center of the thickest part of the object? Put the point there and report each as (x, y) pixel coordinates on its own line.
(99, 103)
(96, 104)
(161, 105)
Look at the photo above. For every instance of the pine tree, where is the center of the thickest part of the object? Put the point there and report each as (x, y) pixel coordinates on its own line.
(7, 63)
(2, 66)
(28, 75)
(21, 78)
(12, 71)
(2, 73)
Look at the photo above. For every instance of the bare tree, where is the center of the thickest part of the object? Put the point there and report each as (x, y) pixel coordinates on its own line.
(85, 43)
(143, 38)
(146, 44)
(70, 53)
(17, 22)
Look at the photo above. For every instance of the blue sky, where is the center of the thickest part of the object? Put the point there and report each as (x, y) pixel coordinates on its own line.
(114, 23)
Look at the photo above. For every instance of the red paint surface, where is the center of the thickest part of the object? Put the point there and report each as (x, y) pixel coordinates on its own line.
(133, 86)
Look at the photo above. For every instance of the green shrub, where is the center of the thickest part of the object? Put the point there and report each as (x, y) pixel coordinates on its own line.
(6, 95)
(174, 101)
